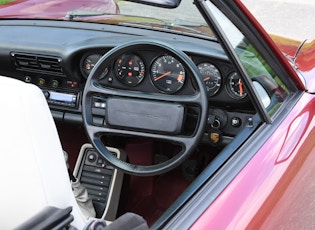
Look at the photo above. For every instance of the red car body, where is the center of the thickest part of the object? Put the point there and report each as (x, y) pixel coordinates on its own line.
(53, 9)
(275, 187)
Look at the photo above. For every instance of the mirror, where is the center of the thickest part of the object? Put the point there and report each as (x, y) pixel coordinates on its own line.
(262, 94)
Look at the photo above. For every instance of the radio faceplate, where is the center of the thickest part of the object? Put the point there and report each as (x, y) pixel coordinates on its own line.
(58, 90)
(61, 98)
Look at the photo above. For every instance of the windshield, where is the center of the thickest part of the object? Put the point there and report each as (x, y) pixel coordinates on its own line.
(184, 19)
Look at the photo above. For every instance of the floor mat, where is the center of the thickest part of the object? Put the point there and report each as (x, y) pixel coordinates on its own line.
(72, 137)
(164, 191)
(150, 197)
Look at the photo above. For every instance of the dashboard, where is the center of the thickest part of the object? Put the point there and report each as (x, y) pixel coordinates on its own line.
(60, 59)
(140, 70)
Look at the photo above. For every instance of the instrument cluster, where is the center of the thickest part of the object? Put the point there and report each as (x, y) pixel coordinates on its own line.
(166, 74)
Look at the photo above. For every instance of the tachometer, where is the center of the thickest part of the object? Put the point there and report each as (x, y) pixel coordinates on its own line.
(211, 77)
(235, 86)
(167, 74)
(129, 69)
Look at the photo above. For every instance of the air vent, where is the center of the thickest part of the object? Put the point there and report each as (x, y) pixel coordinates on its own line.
(37, 63)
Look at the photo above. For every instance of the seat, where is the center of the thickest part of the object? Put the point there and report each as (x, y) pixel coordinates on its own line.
(33, 173)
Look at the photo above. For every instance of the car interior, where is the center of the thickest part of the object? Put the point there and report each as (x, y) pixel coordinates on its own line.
(137, 142)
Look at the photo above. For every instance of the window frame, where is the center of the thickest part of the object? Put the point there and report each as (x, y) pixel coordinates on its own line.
(258, 38)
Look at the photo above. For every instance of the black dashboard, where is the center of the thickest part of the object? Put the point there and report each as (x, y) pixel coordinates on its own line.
(58, 59)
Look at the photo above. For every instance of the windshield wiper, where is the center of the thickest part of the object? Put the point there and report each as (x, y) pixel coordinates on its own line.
(188, 26)
(83, 13)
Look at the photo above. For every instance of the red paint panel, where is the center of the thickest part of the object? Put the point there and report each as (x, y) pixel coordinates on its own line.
(306, 63)
(54, 8)
(280, 174)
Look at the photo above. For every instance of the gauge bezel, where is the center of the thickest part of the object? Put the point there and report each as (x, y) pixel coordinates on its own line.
(127, 80)
(215, 70)
(162, 68)
(83, 61)
(230, 89)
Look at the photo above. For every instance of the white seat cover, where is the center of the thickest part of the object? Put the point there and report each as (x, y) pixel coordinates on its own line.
(33, 172)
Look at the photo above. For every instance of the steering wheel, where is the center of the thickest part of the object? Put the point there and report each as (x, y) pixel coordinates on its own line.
(159, 116)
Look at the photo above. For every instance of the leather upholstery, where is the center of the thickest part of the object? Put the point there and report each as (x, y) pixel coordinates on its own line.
(33, 172)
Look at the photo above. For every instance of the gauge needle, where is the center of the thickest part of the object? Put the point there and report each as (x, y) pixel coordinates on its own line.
(180, 78)
(163, 75)
(241, 87)
(206, 79)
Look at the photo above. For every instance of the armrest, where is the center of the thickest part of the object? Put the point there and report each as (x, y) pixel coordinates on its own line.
(49, 218)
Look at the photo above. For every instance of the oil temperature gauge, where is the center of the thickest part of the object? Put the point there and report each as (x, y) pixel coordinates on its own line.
(211, 77)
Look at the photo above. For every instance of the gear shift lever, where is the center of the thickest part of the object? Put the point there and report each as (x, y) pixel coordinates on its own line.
(80, 194)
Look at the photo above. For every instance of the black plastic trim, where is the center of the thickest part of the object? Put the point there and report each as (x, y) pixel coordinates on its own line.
(49, 218)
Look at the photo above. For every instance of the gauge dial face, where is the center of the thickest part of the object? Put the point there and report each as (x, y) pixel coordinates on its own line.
(129, 69)
(211, 77)
(167, 74)
(235, 86)
(89, 63)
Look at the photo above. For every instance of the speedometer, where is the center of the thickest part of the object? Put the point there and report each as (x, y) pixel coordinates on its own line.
(167, 74)
(211, 77)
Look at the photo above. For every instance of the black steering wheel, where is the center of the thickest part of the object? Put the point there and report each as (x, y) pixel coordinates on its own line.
(154, 115)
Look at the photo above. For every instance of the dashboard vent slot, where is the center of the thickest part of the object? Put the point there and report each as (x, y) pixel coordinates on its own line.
(37, 63)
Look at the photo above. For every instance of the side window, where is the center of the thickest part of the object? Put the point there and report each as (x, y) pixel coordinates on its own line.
(268, 85)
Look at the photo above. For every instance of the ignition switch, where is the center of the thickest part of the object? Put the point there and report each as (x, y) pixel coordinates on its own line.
(217, 119)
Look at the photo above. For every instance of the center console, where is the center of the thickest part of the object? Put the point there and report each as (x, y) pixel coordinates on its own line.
(102, 181)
